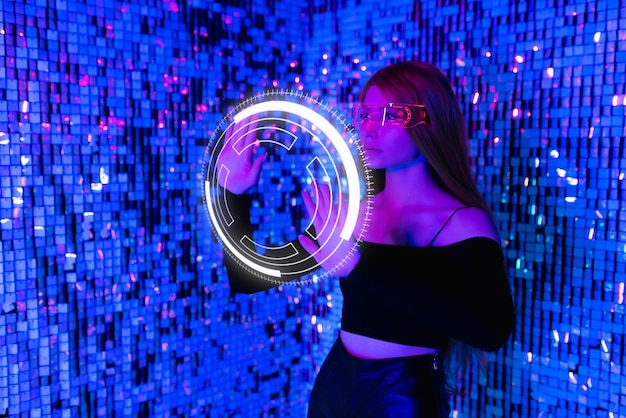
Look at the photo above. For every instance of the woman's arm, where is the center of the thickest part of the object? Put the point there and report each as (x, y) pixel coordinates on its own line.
(295, 261)
(460, 290)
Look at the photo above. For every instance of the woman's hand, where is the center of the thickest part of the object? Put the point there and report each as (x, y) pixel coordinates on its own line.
(237, 168)
(333, 253)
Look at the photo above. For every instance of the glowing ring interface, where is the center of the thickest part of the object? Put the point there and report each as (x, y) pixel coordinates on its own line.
(243, 248)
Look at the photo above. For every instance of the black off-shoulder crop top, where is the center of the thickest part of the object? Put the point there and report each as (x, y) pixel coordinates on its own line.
(424, 296)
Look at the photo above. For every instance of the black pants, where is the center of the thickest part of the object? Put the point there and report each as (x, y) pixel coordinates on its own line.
(347, 386)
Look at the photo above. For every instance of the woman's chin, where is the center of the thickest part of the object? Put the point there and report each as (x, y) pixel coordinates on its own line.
(374, 163)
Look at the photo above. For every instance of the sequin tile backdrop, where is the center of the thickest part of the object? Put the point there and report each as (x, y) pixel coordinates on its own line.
(113, 298)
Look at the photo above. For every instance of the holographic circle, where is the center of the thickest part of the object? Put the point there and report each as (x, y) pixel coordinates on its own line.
(307, 143)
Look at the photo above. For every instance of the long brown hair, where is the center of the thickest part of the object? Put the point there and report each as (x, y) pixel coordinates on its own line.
(443, 141)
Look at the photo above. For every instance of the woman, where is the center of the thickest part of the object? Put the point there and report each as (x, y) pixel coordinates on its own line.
(429, 270)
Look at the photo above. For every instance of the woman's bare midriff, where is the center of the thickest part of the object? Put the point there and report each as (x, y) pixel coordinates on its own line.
(371, 348)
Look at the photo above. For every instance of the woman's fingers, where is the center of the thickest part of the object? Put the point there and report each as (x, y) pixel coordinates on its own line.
(241, 138)
(252, 124)
(238, 156)
(242, 135)
(249, 135)
(318, 211)
(309, 205)
(323, 204)
(326, 217)
(257, 164)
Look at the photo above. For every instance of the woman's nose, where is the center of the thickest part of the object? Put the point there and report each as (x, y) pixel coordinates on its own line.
(368, 129)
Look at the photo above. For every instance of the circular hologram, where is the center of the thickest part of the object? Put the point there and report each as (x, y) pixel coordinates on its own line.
(303, 144)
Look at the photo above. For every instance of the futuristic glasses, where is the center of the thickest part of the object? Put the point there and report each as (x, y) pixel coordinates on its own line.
(397, 115)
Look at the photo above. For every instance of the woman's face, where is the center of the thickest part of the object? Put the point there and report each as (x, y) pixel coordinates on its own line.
(385, 147)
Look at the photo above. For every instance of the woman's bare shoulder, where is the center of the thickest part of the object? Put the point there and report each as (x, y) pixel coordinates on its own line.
(468, 223)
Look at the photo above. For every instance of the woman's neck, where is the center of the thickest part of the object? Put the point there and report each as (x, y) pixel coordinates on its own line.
(410, 185)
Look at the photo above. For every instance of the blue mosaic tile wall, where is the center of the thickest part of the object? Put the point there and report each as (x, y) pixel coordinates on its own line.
(113, 300)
